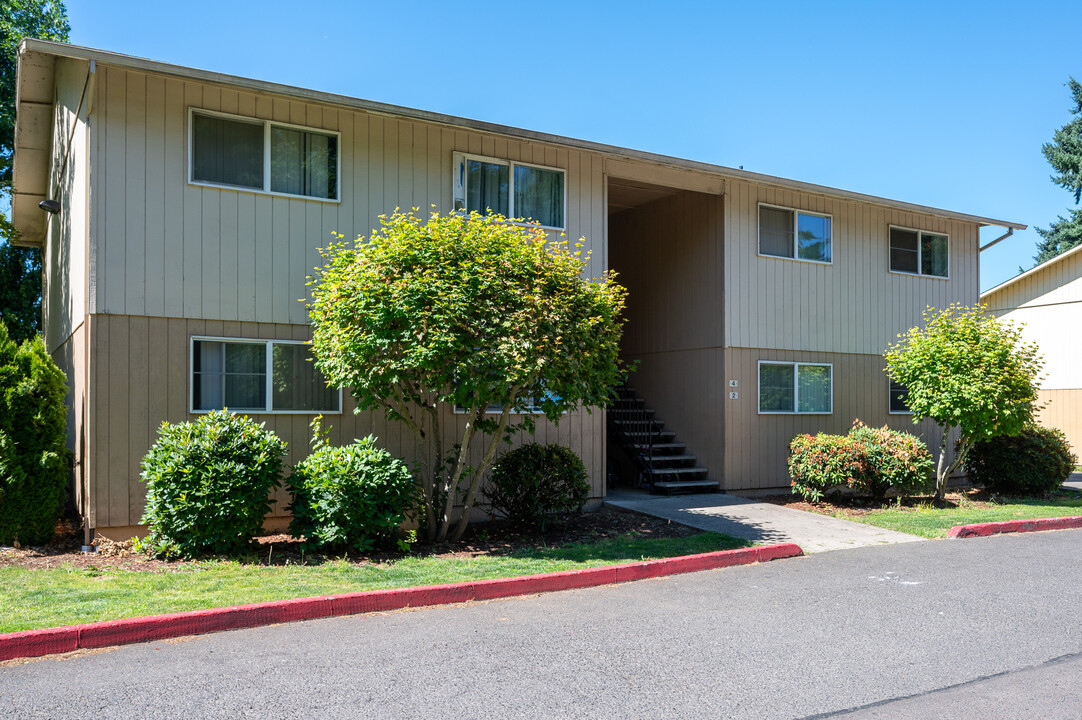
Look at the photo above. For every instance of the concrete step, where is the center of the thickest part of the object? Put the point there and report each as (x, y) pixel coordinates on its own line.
(677, 471)
(633, 423)
(686, 485)
(670, 447)
(667, 459)
(662, 435)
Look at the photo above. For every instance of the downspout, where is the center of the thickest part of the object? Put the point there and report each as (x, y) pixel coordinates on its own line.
(1001, 238)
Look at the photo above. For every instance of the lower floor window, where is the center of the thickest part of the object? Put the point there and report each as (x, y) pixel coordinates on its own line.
(898, 396)
(792, 387)
(258, 376)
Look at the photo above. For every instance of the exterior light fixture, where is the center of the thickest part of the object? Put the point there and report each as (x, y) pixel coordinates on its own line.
(50, 206)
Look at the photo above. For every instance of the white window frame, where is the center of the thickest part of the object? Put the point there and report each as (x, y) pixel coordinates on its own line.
(796, 387)
(920, 252)
(269, 365)
(889, 410)
(796, 239)
(458, 184)
(267, 125)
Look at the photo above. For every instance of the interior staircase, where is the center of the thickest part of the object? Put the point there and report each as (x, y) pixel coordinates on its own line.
(663, 465)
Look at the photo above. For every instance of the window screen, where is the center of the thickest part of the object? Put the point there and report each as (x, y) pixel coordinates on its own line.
(775, 231)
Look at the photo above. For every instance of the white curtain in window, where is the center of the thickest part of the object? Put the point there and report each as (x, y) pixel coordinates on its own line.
(487, 187)
(539, 195)
(814, 388)
(207, 377)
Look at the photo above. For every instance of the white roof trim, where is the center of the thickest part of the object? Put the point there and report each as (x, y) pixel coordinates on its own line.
(136, 63)
(1032, 271)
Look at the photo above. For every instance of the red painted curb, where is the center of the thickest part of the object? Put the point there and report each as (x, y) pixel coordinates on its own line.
(1014, 526)
(32, 643)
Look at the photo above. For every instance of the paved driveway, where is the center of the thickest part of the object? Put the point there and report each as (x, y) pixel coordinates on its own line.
(880, 630)
(757, 521)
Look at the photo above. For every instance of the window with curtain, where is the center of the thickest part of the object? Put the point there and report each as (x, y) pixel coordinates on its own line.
(487, 185)
(788, 233)
(232, 152)
(233, 374)
(918, 252)
(227, 152)
(795, 388)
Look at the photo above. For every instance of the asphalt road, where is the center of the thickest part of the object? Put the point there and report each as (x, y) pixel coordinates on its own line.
(984, 627)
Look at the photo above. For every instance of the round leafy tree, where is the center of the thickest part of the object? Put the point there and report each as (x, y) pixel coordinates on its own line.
(965, 369)
(208, 484)
(464, 311)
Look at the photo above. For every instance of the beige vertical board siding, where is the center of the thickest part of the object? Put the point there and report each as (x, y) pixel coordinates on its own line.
(669, 254)
(757, 445)
(70, 357)
(64, 257)
(218, 247)
(140, 368)
(1048, 304)
(855, 304)
(1063, 410)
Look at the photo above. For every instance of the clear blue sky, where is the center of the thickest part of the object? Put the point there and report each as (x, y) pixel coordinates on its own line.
(942, 104)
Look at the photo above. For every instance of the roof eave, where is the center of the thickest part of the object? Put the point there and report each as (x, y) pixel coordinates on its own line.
(142, 64)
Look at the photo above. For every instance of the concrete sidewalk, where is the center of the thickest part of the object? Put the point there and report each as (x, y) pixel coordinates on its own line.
(757, 521)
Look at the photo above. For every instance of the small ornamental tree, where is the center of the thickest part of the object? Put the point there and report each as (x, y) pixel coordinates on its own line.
(470, 312)
(968, 370)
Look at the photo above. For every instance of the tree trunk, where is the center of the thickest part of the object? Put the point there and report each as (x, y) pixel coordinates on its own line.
(475, 479)
(456, 476)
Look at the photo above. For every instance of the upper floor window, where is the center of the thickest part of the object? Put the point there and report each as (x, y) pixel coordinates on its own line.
(514, 190)
(796, 234)
(272, 376)
(263, 156)
(918, 252)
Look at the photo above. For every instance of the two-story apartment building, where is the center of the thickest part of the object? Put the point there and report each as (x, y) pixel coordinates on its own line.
(192, 206)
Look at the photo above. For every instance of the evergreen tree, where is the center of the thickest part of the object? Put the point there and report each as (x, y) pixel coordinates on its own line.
(1064, 154)
(20, 267)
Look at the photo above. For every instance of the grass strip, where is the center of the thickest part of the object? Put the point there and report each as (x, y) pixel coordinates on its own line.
(32, 599)
(932, 522)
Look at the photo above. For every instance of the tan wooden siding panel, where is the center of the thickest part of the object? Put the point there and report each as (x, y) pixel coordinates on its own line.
(1055, 330)
(1059, 282)
(140, 369)
(855, 304)
(173, 249)
(1063, 410)
(757, 445)
(70, 357)
(64, 257)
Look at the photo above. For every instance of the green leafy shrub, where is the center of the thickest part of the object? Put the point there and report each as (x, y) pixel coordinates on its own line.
(869, 461)
(34, 459)
(208, 484)
(1034, 462)
(352, 497)
(821, 463)
(897, 461)
(535, 482)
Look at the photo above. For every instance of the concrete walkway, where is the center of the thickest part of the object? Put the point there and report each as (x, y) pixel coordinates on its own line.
(756, 521)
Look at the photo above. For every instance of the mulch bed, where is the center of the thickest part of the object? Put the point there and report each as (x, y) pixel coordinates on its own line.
(492, 538)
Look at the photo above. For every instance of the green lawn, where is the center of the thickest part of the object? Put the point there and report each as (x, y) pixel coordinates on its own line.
(67, 596)
(932, 522)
